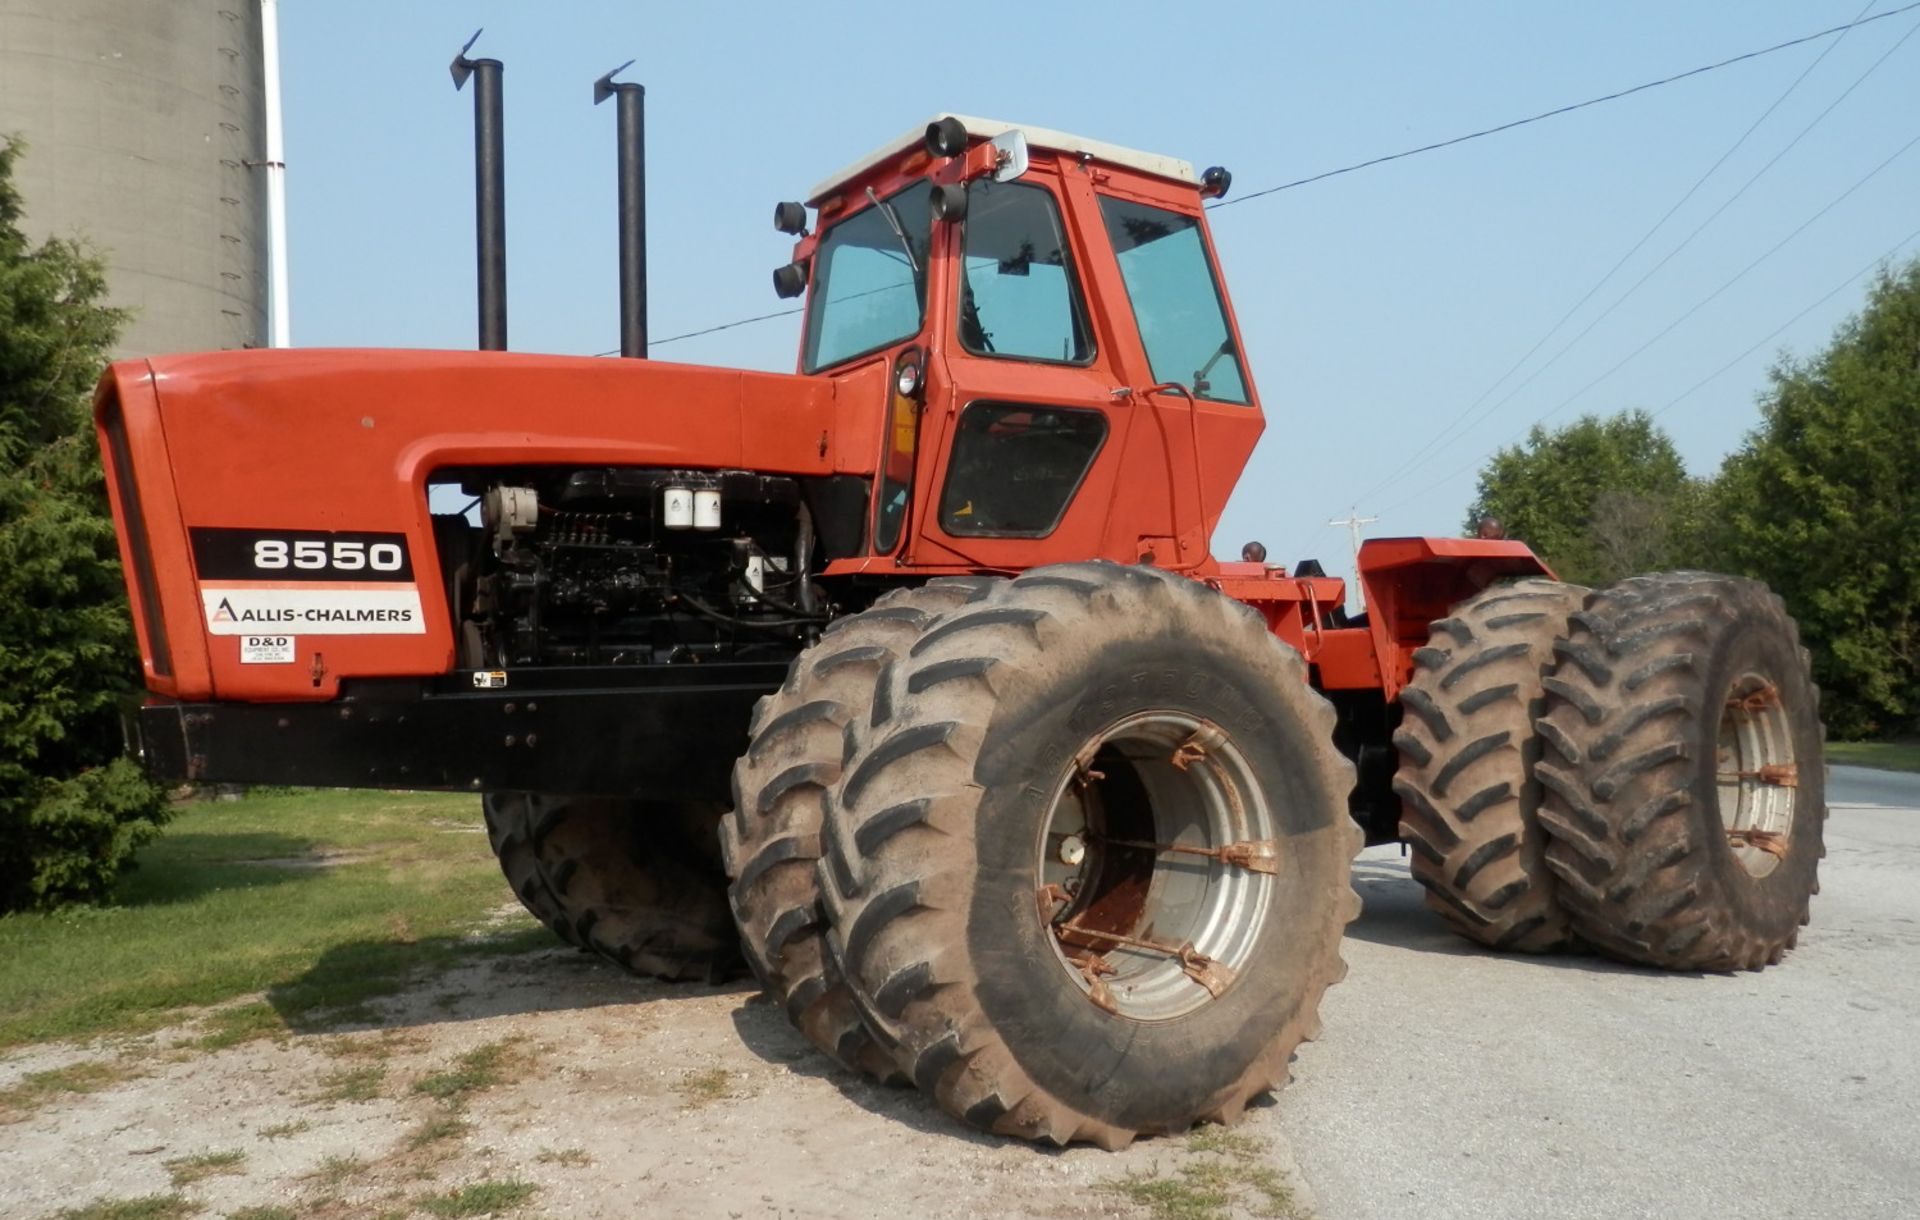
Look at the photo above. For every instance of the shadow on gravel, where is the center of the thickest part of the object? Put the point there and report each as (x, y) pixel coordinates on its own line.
(377, 985)
(765, 1031)
(1394, 911)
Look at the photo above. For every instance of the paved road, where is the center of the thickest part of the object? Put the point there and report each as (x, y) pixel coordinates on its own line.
(1456, 1083)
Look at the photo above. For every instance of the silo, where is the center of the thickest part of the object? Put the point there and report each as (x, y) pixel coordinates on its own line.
(146, 126)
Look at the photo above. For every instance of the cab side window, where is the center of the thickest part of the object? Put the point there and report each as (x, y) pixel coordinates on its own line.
(1018, 294)
(1016, 466)
(1176, 299)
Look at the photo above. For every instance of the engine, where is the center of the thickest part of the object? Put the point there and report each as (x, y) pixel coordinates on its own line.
(623, 566)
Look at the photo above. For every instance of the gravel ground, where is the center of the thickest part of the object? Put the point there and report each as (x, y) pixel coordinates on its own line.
(1449, 1083)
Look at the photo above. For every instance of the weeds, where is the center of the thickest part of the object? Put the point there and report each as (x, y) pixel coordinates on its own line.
(354, 1084)
(36, 1089)
(1231, 1178)
(186, 1170)
(438, 1128)
(480, 1068)
(146, 1207)
(280, 1131)
(572, 1158)
(699, 1089)
(336, 1170)
(247, 1023)
(478, 1199)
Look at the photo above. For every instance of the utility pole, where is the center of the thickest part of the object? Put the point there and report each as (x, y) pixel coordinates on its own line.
(1353, 521)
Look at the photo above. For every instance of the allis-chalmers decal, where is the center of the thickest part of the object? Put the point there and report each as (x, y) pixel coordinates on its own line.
(306, 582)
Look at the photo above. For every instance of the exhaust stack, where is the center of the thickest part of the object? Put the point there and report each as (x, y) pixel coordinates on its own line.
(490, 190)
(632, 139)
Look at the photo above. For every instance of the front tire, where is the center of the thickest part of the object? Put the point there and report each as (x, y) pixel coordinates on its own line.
(771, 840)
(509, 819)
(1685, 777)
(1006, 902)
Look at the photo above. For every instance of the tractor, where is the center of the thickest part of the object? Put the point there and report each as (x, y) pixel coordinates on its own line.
(908, 682)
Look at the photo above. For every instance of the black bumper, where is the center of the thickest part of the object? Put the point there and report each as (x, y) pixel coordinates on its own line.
(668, 732)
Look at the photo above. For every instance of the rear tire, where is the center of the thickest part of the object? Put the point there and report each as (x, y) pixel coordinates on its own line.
(636, 882)
(509, 830)
(1684, 769)
(771, 840)
(1131, 704)
(1467, 753)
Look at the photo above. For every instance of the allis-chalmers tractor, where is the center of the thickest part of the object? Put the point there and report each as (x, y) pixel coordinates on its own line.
(909, 678)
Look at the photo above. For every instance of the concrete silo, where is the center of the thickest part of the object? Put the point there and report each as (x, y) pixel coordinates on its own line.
(146, 126)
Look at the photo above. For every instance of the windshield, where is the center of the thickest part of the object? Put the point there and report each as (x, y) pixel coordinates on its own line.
(1176, 299)
(866, 292)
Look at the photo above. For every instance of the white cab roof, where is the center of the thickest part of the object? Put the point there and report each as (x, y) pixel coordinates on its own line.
(1037, 137)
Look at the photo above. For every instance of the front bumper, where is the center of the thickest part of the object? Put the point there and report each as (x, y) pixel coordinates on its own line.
(661, 732)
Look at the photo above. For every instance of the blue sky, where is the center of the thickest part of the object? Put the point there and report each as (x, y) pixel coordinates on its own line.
(1376, 307)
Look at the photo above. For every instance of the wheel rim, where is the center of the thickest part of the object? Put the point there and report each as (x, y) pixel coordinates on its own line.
(1757, 775)
(1156, 866)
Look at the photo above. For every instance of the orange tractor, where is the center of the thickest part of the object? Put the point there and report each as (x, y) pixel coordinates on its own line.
(909, 678)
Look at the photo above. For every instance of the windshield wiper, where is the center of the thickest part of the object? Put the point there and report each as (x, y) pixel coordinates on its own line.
(899, 230)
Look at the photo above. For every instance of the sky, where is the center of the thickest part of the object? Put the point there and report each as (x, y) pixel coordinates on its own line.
(1398, 320)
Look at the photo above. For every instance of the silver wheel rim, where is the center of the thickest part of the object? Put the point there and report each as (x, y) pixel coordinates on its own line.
(1757, 775)
(1145, 912)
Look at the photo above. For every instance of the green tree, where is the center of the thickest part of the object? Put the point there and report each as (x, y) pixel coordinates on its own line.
(72, 808)
(1823, 503)
(1599, 499)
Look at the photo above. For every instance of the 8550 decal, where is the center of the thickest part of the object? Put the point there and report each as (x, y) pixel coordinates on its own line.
(280, 555)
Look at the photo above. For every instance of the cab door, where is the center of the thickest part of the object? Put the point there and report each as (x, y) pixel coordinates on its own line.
(1018, 436)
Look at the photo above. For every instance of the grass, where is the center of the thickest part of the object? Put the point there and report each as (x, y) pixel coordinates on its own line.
(1226, 1177)
(1886, 755)
(36, 1089)
(698, 1089)
(480, 1068)
(336, 1170)
(263, 1213)
(572, 1158)
(280, 1131)
(322, 900)
(437, 1129)
(146, 1207)
(354, 1084)
(186, 1170)
(479, 1199)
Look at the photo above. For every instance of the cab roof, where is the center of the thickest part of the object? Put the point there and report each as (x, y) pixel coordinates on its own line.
(1037, 137)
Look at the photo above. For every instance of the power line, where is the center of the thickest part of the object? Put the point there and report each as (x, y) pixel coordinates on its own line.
(1453, 427)
(1569, 109)
(1879, 260)
(1448, 143)
(1670, 327)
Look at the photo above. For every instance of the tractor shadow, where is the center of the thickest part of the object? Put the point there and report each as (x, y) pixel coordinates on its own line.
(1394, 913)
(763, 1029)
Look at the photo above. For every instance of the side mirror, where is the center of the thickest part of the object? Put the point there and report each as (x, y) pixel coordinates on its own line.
(790, 280)
(949, 201)
(1010, 155)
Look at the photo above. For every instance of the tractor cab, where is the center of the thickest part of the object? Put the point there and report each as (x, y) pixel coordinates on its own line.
(1045, 321)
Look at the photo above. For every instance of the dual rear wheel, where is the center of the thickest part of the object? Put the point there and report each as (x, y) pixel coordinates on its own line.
(1638, 770)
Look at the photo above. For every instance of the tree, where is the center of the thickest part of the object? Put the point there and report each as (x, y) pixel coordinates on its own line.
(72, 808)
(1823, 503)
(1599, 499)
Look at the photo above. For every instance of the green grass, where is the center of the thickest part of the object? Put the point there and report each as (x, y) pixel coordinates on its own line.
(186, 1170)
(146, 1207)
(479, 1199)
(1886, 755)
(1225, 1177)
(322, 900)
(354, 1084)
(437, 1129)
(336, 1170)
(699, 1089)
(480, 1068)
(36, 1089)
